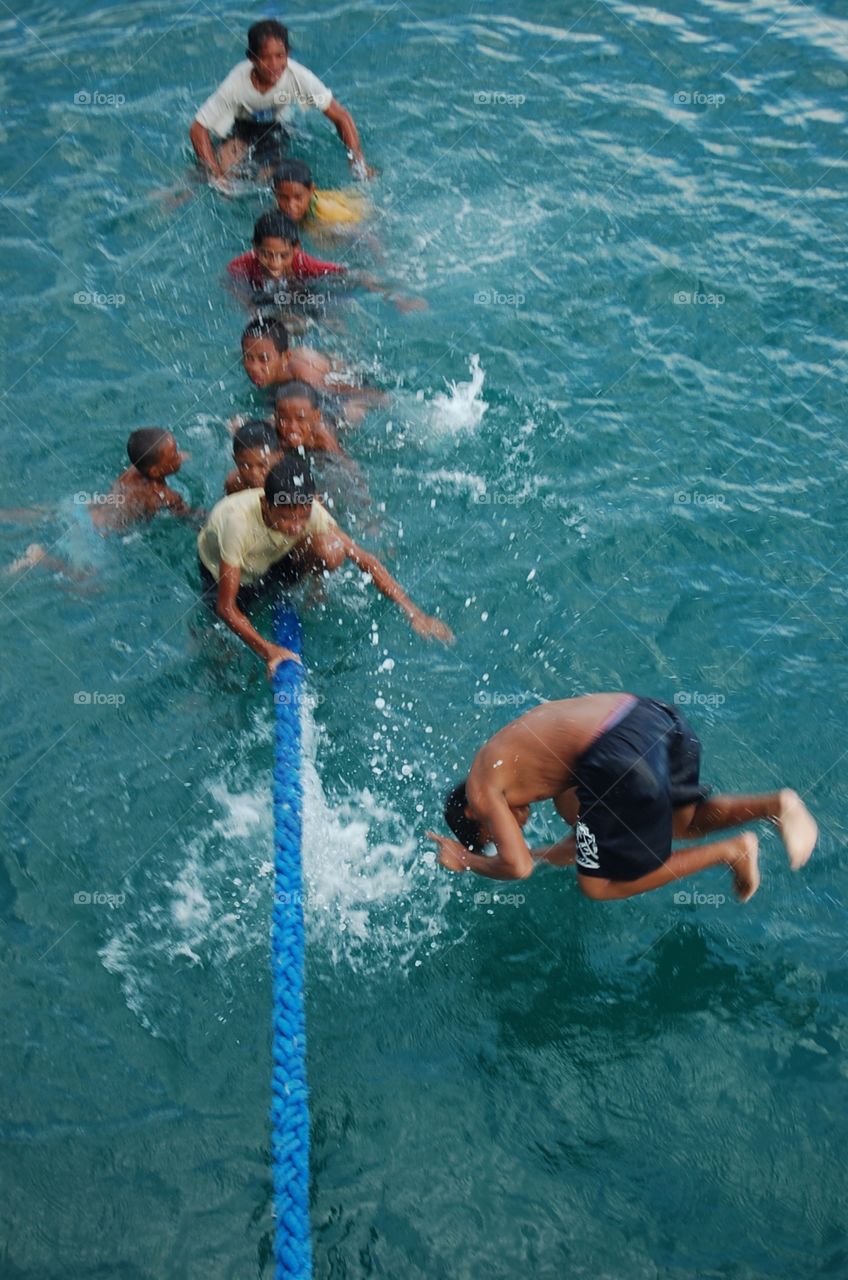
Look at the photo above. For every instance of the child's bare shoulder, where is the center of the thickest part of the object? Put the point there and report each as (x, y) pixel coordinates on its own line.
(306, 364)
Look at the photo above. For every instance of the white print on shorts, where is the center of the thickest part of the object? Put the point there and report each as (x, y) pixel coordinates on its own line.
(587, 848)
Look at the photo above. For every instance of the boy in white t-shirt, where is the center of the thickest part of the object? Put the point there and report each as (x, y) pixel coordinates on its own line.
(246, 111)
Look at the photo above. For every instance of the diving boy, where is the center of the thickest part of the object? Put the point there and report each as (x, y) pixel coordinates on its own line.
(625, 772)
(278, 533)
(246, 111)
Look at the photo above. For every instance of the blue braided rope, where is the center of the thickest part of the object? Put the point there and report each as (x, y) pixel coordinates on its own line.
(290, 1101)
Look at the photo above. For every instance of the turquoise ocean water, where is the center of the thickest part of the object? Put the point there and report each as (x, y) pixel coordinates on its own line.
(629, 221)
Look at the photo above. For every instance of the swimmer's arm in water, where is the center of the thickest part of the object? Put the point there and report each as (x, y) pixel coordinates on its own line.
(204, 149)
(347, 131)
(226, 607)
(399, 300)
(336, 547)
(513, 860)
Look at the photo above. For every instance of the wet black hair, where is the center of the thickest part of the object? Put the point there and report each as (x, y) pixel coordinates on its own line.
(275, 225)
(145, 447)
(298, 391)
(290, 482)
(268, 327)
(256, 433)
(293, 171)
(268, 29)
(467, 830)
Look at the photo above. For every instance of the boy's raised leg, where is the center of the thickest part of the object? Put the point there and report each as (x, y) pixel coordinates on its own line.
(784, 808)
(740, 853)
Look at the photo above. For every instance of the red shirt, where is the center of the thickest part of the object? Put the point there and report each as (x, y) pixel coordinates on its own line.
(304, 267)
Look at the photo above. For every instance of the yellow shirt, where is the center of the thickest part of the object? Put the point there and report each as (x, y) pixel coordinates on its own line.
(339, 207)
(236, 533)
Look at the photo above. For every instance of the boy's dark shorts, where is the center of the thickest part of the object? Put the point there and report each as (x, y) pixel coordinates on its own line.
(285, 573)
(628, 783)
(267, 143)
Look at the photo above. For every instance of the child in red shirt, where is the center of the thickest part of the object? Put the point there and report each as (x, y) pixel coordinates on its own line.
(277, 260)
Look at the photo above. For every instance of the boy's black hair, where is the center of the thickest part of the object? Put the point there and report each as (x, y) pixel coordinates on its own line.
(467, 830)
(145, 446)
(294, 171)
(298, 391)
(272, 329)
(275, 225)
(268, 29)
(256, 433)
(290, 482)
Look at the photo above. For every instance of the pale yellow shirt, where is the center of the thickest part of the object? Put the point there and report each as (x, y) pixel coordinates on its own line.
(236, 533)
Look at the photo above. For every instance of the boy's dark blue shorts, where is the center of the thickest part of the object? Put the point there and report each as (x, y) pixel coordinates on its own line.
(268, 140)
(628, 783)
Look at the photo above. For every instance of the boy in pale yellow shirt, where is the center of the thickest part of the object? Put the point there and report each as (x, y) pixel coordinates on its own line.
(256, 537)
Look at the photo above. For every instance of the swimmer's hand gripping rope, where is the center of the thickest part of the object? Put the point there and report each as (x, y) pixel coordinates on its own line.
(290, 1102)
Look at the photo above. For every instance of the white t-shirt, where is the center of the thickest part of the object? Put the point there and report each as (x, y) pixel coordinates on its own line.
(238, 99)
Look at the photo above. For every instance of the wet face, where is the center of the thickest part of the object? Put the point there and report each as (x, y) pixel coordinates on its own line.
(297, 421)
(270, 63)
(288, 518)
(253, 465)
(276, 256)
(168, 461)
(260, 359)
(293, 199)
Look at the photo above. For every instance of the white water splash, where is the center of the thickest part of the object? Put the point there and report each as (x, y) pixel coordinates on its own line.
(462, 409)
(372, 899)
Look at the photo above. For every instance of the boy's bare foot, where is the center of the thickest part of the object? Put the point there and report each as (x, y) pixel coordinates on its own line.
(34, 554)
(798, 828)
(745, 866)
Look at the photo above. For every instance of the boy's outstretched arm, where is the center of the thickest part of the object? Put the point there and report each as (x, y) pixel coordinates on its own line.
(382, 579)
(226, 607)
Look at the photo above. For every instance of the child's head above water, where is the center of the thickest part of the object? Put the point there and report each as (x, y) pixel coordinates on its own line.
(154, 452)
(289, 493)
(262, 344)
(275, 239)
(268, 49)
(297, 414)
(294, 189)
(255, 448)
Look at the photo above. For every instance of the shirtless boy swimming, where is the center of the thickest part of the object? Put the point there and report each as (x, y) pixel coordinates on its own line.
(625, 772)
